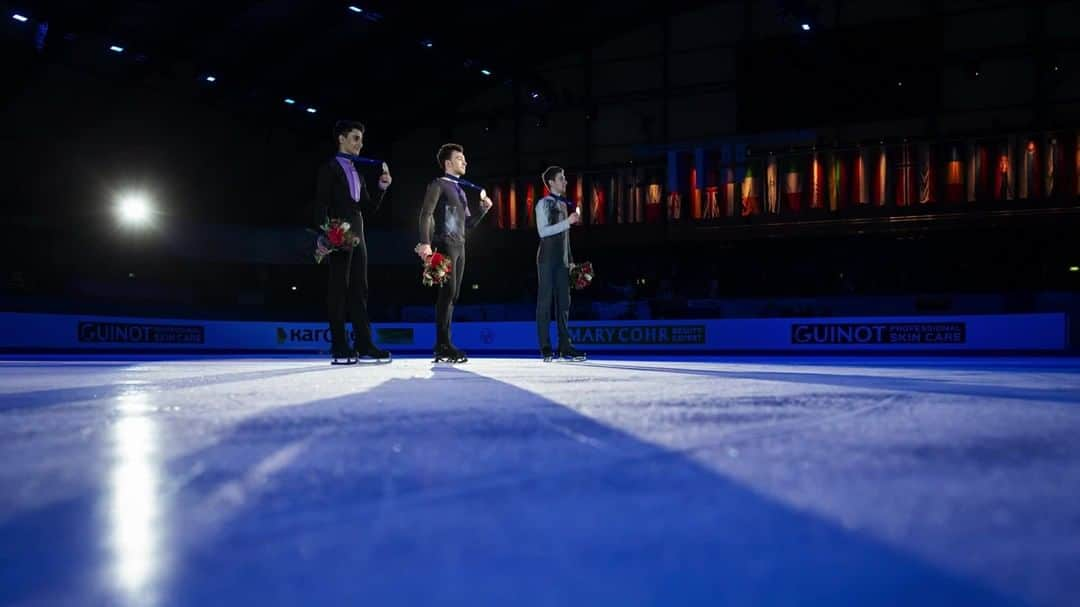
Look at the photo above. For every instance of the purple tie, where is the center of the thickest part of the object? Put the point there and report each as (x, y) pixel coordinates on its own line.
(352, 177)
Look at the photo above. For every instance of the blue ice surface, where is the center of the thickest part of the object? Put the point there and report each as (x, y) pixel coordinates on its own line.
(737, 480)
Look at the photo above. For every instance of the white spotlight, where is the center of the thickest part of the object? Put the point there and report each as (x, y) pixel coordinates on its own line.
(134, 210)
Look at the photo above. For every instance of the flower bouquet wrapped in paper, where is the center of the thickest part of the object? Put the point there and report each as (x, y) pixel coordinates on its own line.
(337, 235)
(437, 269)
(581, 274)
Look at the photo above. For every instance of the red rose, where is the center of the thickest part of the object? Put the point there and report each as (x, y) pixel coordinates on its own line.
(336, 235)
(436, 259)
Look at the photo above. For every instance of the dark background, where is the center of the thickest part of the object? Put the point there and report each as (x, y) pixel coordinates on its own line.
(231, 167)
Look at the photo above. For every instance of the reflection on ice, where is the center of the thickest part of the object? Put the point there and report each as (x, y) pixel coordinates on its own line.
(135, 509)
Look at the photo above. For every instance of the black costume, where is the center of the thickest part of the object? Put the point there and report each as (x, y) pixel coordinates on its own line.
(444, 218)
(341, 192)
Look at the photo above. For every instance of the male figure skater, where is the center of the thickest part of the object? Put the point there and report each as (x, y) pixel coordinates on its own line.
(342, 193)
(553, 220)
(444, 218)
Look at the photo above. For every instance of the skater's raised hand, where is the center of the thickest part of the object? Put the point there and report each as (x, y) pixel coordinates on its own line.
(385, 179)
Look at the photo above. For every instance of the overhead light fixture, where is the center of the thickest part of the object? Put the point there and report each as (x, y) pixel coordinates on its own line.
(116, 49)
(311, 110)
(20, 18)
(485, 72)
(427, 43)
(211, 78)
(355, 9)
(290, 101)
(806, 27)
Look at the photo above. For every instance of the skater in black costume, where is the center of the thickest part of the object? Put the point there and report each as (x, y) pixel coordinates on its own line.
(554, 216)
(340, 193)
(444, 218)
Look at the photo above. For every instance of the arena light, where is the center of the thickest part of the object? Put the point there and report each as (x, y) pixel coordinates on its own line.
(134, 209)
(20, 18)
(355, 9)
(116, 49)
(290, 101)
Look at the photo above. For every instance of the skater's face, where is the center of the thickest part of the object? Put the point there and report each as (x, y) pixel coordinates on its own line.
(456, 164)
(351, 142)
(558, 185)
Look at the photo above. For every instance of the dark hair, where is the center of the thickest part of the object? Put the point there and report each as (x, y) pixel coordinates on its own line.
(550, 173)
(446, 151)
(342, 128)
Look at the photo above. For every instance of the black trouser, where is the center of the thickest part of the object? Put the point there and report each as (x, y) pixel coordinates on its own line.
(448, 292)
(351, 297)
(553, 277)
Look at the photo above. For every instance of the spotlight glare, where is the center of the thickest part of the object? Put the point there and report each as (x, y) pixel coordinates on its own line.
(311, 110)
(1074, 268)
(485, 72)
(290, 101)
(356, 9)
(20, 18)
(806, 27)
(211, 78)
(134, 210)
(116, 49)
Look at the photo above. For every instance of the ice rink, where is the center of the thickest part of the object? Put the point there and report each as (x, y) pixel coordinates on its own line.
(185, 480)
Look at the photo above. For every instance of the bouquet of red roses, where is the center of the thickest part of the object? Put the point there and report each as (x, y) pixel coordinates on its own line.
(581, 274)
(437, 268)
(337, 235)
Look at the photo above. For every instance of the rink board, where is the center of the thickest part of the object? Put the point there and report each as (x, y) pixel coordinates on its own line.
(1008, 332)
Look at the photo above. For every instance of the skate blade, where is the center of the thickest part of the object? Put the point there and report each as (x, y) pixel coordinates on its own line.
(375, 361)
